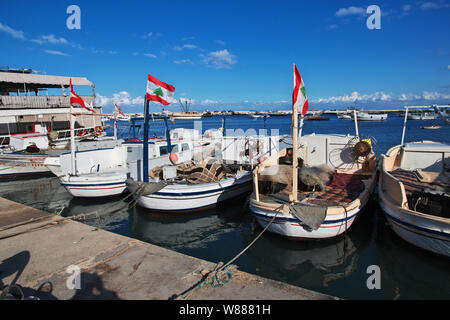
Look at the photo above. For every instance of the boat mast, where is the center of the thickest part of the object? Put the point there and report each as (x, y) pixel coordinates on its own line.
(404, 125)
(355, 117)
(145, 141)
(293, 197)
(72, 140)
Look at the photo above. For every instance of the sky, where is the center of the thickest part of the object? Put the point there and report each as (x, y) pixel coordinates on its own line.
(238, 55)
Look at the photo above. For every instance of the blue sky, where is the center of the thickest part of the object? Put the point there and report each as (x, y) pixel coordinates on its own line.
(239, 54)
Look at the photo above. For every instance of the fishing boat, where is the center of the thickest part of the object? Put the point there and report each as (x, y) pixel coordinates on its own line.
(344, 116)
(316, 118)
(335, 179)
(25, 155)
(431, 127)
(414, 192)
(365, 116)
(317, 188)
(188, 188)
(422, 115)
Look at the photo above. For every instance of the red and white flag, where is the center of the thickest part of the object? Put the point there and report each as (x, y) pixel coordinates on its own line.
(120, 110)
(159, 91)
(299, 99)
(75, 99)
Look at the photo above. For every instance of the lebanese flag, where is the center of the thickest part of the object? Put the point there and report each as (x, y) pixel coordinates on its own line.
(75, 99)
(159, 91)
(299, 99)
(118, 109)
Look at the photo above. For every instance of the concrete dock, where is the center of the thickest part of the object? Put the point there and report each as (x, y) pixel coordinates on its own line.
(42, 252)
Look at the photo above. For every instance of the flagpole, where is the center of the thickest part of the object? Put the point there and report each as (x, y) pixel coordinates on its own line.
(72, 140)
(145, 141)
(115, 124)
(293, 197)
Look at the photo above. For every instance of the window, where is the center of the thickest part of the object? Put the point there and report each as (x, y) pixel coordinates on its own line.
(184, 147)
(163, 150)
(175, 148)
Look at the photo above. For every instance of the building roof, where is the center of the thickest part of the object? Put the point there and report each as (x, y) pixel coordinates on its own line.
(10, 81)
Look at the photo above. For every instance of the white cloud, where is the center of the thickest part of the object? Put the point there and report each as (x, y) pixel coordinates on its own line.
(342, 12)
(188, 38)
(221, 59)
(112, 52)
(222, 43)
(332, 26)
(185, 46)
(382, 97)
(150, 55)
(122, 99)
(434, 5)
(448, 67)
(183, 61)
(56, 52)
(407, 7)
(13, 33)
(50, 39)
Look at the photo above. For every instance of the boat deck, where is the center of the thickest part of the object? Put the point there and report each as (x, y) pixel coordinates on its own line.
(343, 189)
(413, 183)
(425, 195)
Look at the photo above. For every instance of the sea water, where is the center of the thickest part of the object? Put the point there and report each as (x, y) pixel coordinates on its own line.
(340, 266)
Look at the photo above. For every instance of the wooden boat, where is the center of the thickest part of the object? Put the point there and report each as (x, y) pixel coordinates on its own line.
(316, 118)
(414, 194)
(188, 188)
(335, 181)
(431, 127)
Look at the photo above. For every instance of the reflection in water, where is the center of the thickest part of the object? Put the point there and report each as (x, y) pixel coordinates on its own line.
(409, 272)
(43, 193)
(184, 231)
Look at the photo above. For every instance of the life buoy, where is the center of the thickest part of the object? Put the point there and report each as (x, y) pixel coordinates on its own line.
(173, 158)
(98, 131)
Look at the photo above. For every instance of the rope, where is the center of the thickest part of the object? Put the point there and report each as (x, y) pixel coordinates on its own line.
(222, 274)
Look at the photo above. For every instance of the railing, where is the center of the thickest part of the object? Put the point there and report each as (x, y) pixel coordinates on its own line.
(16, 102)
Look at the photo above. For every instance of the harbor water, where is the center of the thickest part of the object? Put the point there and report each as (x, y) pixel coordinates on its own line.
(339, 267)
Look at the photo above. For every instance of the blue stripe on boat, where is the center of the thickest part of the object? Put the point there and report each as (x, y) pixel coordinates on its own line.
(181, 194)
(296, 220)
(442, 234)
(90, 185)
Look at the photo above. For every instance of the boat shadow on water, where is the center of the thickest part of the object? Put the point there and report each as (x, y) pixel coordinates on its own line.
(313, 264)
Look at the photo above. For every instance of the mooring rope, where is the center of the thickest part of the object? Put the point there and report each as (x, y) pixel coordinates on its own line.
(221, 274)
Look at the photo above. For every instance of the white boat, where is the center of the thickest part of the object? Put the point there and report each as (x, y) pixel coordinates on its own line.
(335, 185)
(24, 107)
(344, 116)
(414, 194)
(25, 156)
(422, 115)
(364, 116)
(181, 194)
(96, 184)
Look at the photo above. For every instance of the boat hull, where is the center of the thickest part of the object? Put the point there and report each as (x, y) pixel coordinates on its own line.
(188, 198)
(426, 233)
(291, 227)
(22, 166)
(94, 186)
